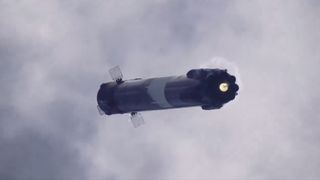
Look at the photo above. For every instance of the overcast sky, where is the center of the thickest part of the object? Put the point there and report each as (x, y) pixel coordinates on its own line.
(54, 54)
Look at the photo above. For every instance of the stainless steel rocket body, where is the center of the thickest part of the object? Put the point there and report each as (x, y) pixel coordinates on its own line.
(199, 87)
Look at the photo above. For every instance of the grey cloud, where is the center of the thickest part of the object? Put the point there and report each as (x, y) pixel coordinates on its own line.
(35, 156)
(55, 54)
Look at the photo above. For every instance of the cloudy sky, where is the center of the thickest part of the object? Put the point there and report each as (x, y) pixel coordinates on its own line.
(55, 53)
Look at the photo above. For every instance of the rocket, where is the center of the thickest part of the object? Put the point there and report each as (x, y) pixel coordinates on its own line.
(207, 88)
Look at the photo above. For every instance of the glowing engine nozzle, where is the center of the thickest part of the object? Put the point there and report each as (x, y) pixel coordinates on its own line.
(224, 87)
